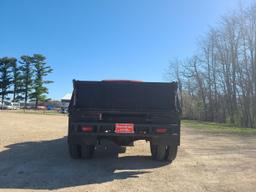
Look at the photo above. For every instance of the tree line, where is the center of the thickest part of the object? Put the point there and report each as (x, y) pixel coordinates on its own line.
(23, 80)
(219, 82)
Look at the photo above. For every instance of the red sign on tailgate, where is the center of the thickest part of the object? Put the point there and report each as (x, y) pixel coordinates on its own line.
(124, 128)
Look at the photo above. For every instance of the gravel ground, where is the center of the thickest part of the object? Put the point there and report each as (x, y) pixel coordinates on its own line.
(34, 157)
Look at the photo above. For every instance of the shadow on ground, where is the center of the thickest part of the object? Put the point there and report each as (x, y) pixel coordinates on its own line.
(47, 165)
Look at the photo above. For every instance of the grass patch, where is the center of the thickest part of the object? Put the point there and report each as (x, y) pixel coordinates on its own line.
(218, 127)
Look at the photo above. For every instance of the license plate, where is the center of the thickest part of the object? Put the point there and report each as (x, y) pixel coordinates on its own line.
(124, 128)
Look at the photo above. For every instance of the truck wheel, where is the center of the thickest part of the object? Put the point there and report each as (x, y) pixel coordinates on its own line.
(87, 151)
(122, 149)
(161, 152)
(171, 153)
(153, 149)
(74, 151)
(158, 152)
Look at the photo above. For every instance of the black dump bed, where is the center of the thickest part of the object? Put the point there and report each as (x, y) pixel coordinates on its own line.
(124, 95)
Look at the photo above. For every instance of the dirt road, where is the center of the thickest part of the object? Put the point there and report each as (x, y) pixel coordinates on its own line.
(34, 156)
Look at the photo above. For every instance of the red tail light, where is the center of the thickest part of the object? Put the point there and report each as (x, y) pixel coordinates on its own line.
(161, 130)
(86, 129)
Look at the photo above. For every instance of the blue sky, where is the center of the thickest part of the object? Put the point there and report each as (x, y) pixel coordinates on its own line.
(107, 39)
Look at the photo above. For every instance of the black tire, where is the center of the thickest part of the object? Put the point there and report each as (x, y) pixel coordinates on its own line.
(87, 151)
(122, 149)
(74, 151)
(171, 153)
(153, 149)
(158, 152)
(161, 152)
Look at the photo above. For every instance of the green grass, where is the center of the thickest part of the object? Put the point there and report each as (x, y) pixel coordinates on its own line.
(218, 127)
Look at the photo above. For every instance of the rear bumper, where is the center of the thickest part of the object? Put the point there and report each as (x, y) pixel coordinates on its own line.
(141, 132)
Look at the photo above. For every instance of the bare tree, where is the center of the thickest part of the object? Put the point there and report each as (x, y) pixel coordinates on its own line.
(219, 83)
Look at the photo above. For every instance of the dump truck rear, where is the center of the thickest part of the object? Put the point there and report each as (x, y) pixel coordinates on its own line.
(123, 112)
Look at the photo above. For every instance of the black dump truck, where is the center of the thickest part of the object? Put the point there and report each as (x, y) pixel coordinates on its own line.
(123, 112)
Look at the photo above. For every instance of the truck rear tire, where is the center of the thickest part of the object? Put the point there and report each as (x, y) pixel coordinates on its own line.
(158, 152)
(163, 152)
(153, 149)
(74, 151)
(122, 149)
(171, 153)
(87, 151)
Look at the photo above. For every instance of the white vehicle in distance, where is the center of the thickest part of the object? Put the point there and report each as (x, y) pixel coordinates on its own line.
(15, 105)
(10, 105)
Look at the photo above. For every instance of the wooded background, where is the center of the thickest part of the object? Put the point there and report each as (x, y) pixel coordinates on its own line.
(219, 82)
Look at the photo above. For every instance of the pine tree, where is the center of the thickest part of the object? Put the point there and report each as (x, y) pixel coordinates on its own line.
(26, 77)
(5, 77)
(40, 70)
(17, 81)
